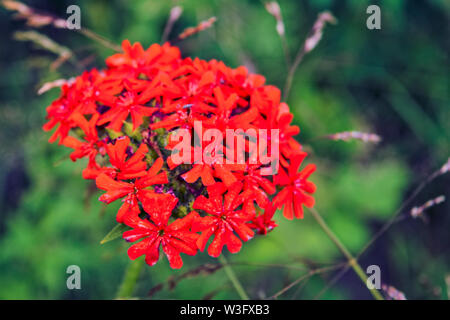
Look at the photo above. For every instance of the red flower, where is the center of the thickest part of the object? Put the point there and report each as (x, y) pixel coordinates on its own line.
(174, 93)
(92, 145)
(296, 188)
(256, 187)
(126, 168)
(130, 103)
(203, 171)
(175, 238)
(207, 172)
(93, 170)
(280, 118)
(223, 118)
(263, 223)
(289, 147)
(59, 112)
(93, 86)
(222, 220)
(183, 112)
(135, 60)
(132, 191)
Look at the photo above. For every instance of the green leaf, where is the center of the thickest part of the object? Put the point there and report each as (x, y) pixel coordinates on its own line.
(115, 232)
(128, 129)
(113, 134)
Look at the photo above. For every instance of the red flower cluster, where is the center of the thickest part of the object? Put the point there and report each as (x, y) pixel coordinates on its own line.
(122, 120)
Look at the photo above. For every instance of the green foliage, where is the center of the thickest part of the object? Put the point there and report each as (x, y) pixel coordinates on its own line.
(54, 229)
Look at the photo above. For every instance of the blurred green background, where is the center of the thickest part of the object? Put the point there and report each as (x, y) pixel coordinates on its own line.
(393, 82)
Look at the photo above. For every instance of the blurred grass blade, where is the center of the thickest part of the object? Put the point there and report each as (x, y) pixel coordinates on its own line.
(64, 53)
(200, 27)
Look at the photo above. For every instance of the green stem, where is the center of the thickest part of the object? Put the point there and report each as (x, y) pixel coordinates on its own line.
(291, 72)
(232, 276)
(130, 278)
(98, 38)
(351, 260)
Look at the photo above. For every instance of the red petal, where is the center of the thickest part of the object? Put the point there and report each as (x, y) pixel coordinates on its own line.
(295, 164)
(192, 175)
(184, 223)
(152, 254)
(138, 249)
(307, 171)
(127, 208)
(173, 255)
(184, 246)
(203, 223)
(215, 248)
(156, 166)
(288, 210)
(204, 237)
(227, 177)
(234, 245)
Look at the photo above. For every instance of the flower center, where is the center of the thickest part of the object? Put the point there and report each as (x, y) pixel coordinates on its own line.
(127, 99)
(298, 183)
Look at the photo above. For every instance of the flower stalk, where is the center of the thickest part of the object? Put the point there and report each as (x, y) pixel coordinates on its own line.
(232, 276)
(351, 260)
(130, 279)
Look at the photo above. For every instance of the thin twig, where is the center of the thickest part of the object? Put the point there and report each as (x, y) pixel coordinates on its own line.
(444, 169)
(37, 19)
(351, 260)
(333, 281)
(418, 211)
(100, 39)
(274, 9)
(357, 135)
(64, 53)
(392, 293)
(54, 84)
(172, 282)
(392, 220)
(310, 43)
(303, 277)
(299, 289)
(269, 265)
(174, 15)
(200, 27)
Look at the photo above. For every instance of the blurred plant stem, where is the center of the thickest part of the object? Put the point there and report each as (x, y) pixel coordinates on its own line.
(100, 39)
(311, 42)
(64, 53)
(351, 260)
(38, 19)
(291, 73)
(232, 276)
(395, 218)
(407, 202)
(130, 278)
